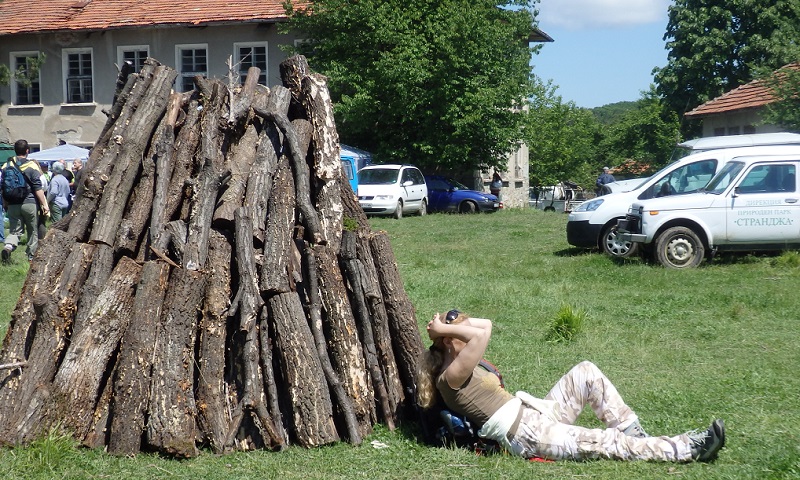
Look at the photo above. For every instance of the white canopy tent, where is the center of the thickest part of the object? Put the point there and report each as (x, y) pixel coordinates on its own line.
(65, 152)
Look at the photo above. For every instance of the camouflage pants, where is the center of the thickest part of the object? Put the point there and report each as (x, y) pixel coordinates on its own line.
(539, 436)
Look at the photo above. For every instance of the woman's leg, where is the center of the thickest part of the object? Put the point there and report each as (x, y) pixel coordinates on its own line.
(539, 437)
(585, 383)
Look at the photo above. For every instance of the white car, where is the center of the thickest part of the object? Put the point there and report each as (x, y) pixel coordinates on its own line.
(752, 204)
(392, 190)
(593, 224)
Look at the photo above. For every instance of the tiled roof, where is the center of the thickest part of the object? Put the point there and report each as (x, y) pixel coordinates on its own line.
(750, 95)
(29, 16)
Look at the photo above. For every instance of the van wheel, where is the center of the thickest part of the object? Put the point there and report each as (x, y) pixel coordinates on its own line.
(549, 209)
(679, 247)
(423, 209)
(398, 211)
(467, 207)
(615, 247)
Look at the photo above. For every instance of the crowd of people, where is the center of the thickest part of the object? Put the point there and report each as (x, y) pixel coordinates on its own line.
(44, 195)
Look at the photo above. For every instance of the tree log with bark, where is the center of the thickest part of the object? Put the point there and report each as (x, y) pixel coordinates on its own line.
(204, 291)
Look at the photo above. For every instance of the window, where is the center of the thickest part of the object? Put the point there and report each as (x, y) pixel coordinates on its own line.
(135, 54)
(769, 178)
(749, 129)
(251, 55)
(78, 75)
(733, 130)
(20, 93)
(191, 60)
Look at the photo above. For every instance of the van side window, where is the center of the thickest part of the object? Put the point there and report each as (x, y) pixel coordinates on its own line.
(685, 179)
(769, 178)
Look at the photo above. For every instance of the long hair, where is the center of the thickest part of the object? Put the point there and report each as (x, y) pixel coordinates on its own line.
(429, 367)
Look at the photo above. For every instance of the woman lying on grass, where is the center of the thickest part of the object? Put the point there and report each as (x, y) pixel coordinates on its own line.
(532, 427)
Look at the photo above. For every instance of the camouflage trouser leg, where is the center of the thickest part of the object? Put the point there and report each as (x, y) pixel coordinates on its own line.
(585, 383)
(538, 436)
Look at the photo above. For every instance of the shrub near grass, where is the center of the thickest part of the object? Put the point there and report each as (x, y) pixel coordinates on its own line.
(683, 347)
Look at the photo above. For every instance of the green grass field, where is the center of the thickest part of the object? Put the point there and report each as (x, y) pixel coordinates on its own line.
(683, 348)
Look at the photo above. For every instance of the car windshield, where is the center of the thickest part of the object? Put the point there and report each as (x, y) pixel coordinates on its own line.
(378, 176)
(721, 180)
(456, 185)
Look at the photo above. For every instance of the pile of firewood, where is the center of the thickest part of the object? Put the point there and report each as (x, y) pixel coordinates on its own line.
(216, 283)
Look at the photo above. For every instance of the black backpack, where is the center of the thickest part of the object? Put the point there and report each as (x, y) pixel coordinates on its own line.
(451, 429)
(14, 184)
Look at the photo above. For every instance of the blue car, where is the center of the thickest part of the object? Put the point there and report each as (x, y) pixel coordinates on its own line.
(448, 195)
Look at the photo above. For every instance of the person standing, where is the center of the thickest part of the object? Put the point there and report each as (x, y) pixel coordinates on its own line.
(58, 193)
(604, 179)
(23, 215)
(496, 186)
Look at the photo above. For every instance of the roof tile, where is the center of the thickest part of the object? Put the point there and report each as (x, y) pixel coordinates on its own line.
(26, 16)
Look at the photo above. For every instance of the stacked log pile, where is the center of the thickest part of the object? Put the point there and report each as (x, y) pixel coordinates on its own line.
(216, 283)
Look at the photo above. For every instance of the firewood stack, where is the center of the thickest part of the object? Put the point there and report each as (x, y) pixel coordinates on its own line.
(216, 283)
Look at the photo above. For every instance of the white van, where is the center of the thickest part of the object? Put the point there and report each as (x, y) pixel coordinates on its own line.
(705, 144)
(593, 224)
(392, 190)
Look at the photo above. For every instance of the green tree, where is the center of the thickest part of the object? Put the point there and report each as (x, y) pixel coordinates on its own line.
(24, 74)
(786, 88)
(562, 140)
(717, 45)
(424, 81)
(646, 135)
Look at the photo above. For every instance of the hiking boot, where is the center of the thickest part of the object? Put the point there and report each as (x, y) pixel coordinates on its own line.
(6, 253)
(706, 445)
(635, 430)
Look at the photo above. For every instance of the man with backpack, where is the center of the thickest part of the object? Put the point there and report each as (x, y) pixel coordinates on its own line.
(22, 192)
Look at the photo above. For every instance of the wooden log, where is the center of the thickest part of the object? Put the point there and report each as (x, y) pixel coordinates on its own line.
(343, 347)
(178, 233)
(240, 104)
(406, 339)
(140, 204)
(186, 144)
(55, 315)
(132, 378)
(301, 172)
(380, 320)
(85, 367)
(99, 272)
(275, 273)
(103, 156)
(353, 272)
(126, 167)
(240, 162)
(211, 177)
(304, 389)
(211, 396)
(268, 375)
(259, 183)
(42, 277)
(171, 425)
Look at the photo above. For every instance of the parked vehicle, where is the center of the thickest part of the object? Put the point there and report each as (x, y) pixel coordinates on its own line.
(392, 190)
(593, 224)
(353, 160)
(753, 203)
(705, 144)
(448, 195)
(558, 198)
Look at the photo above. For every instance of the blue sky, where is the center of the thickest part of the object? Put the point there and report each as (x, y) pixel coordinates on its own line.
(604, 50)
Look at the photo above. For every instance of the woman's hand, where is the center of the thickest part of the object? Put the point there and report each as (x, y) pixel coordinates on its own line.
(434, 330)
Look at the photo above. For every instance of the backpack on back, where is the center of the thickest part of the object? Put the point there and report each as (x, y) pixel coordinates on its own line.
(14, 184)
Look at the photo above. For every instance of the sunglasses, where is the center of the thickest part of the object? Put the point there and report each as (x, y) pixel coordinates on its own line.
(451, 315)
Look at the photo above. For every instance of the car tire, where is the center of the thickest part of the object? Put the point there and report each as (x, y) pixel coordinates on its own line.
(467, 207)
(612, 245)
(423, 208)
(550, 209)
(398, 211)
(679, 247)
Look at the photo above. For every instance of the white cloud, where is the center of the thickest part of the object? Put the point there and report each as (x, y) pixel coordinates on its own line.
(581, 14)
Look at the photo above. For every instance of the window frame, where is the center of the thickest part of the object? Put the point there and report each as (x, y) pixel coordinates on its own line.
(179, 48)
(14, 85)
(238, 60)
(65, 76)
(123, 49)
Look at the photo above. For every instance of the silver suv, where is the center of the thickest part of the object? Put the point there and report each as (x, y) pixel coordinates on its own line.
(751, 204)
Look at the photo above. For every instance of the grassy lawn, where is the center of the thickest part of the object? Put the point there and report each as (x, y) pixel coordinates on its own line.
(683, 348)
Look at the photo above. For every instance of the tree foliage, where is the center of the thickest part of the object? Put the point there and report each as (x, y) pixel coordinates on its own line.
(717, 45)
(785, 111)
(24, 74)
(423, 81)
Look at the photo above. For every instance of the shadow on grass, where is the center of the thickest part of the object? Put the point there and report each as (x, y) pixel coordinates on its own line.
(575, 252)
